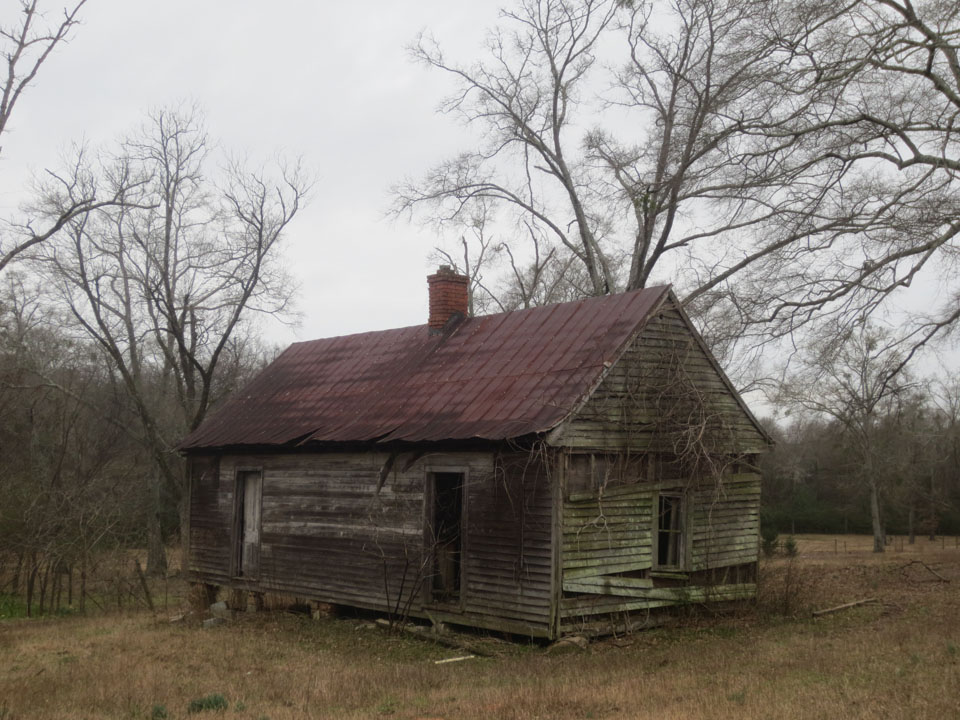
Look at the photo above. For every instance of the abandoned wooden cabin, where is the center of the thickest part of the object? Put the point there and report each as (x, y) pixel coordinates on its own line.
(538, 472)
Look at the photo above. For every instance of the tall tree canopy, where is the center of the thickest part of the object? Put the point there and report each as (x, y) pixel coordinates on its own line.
(778, 160)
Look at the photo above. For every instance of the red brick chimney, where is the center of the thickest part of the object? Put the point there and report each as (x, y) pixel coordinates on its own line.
(448, 297)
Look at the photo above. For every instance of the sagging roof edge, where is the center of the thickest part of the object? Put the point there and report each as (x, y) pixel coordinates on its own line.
(520, 443)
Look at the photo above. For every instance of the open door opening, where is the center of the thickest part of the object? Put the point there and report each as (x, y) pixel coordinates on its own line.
(247, 523)
(446, 536)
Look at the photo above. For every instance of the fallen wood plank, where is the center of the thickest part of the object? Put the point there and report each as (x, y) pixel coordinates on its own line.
(827, 611)
(454, 659)
(424, 634)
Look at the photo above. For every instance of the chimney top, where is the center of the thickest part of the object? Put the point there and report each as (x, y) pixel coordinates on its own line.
(449, 298)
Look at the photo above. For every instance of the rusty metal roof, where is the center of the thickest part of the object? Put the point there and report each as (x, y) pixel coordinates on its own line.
(493, 377)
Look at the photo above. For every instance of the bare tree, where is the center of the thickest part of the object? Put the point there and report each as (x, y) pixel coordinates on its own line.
(168, 285)
(780, 161)
(676, 183)
(26, 45)
(878, 157)
(856, 377)
(523, 99)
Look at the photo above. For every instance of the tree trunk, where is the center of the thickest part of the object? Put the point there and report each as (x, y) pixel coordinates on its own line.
(31, 584)
(184, 508)
(878, 534)
(933, 508)
(156, 557)
(83, 582)
(910, 524)
(15, 583)
(44, 577)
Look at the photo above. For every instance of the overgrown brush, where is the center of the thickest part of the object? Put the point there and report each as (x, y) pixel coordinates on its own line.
(785, 589)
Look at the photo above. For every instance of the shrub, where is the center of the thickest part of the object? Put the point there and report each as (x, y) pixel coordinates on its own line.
(790, 546)
(210, 702)
(786, 590)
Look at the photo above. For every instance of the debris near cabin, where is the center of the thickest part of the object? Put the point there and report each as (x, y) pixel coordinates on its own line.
(845, 606)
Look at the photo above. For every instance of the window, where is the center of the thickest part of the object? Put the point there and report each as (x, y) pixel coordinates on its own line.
(670, 531)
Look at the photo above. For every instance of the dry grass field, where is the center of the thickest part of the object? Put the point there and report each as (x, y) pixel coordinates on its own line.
(896, 658)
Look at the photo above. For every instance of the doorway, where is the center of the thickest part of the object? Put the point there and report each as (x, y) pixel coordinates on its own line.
(445, 536)
(247, 523)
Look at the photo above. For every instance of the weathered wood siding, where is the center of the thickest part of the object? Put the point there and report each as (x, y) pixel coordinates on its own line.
(725, 523)
(328, 535)
(210, 522)
(607, 516)
(664, 371)
(606, 535)
(607, 554)
(508, 553)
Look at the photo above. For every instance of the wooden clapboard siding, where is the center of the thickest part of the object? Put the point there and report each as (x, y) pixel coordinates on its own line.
(326, 533)
(618, 457)
(508, 554)
(578, 609)
(607, 541)
(329, 535)
(622, 413)
(210, 522)
(607, 532)
(726, 523)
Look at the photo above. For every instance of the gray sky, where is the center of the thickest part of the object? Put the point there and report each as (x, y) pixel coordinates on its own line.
(331, 82)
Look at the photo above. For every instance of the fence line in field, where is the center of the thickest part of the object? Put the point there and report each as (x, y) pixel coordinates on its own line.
(841, 544)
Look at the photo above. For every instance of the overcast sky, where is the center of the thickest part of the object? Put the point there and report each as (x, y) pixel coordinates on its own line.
(331, 82)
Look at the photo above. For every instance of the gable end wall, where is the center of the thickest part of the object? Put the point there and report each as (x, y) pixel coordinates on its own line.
(665, 361)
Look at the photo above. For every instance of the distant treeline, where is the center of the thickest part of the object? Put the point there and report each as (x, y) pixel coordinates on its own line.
(811, 481)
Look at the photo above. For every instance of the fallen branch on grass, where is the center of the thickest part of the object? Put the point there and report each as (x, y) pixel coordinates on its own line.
(937, 575)
(827, 611)
(424, 634)
(454, 659)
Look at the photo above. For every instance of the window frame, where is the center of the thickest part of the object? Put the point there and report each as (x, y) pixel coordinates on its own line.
(683, 533)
